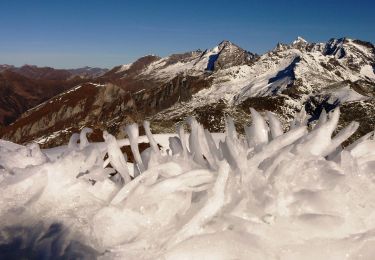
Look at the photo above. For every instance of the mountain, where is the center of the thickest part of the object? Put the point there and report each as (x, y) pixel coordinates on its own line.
(285, 80)
(4, 67)
(87, 72)
(19, 93)
(22, 88)
(224, 80)
(48, 73)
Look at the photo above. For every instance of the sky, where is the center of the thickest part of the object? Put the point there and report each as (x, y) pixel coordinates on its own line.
(77, 33)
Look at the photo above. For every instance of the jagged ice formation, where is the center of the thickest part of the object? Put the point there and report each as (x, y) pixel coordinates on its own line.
(265, 195)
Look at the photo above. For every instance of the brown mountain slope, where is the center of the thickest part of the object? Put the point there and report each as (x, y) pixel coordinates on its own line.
(100, 107)
(19, 93)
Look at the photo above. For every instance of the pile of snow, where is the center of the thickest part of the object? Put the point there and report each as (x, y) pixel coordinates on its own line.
(265, 195)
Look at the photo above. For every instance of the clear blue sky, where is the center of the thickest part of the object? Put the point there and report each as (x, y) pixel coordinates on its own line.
(75, 33)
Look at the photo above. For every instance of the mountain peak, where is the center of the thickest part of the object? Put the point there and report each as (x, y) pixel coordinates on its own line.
(229, 46)
(225, 42)
(299, 40)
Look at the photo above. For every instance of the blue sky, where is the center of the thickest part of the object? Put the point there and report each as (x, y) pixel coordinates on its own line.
(70, 34)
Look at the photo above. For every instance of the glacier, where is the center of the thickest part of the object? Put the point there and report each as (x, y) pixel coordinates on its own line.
(270, 194)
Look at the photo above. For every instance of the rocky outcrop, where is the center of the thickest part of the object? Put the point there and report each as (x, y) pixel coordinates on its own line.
(231, 55)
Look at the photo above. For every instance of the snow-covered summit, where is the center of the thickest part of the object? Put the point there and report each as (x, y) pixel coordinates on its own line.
(299, 40)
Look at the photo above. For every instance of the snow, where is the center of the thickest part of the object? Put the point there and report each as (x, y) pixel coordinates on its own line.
(9, 145)
(97, 84)
(237, 83)
(169, 72)
(265, 195)
(364, 50)
(299, 40)
(124, 67)
(72, 89)
(368, 71)
(345, 94)
(44, 139)
(197, 64)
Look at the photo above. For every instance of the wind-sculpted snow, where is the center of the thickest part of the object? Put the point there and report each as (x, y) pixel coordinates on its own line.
(265, 195)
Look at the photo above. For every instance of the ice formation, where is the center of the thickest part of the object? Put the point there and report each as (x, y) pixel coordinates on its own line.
(265, 195)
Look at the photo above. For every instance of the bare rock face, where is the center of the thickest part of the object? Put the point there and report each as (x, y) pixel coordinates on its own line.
(209, 84)
(231, 55)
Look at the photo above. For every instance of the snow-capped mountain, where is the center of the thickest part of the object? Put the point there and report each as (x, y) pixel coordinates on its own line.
(222, 56)
(210, 84)
(286, 79)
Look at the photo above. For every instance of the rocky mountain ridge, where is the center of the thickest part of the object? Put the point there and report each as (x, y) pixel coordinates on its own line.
(48, 73)
(224, 80)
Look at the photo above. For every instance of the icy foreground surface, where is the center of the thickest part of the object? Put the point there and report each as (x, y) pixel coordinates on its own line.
(268, 195)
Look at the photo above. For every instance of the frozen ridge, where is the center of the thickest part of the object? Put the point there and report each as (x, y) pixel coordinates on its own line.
(267, 195)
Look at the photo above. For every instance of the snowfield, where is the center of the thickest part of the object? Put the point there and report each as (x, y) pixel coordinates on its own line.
(265, 195)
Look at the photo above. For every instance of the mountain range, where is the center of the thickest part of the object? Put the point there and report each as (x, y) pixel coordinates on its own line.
(48, 105)
(22, 88)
